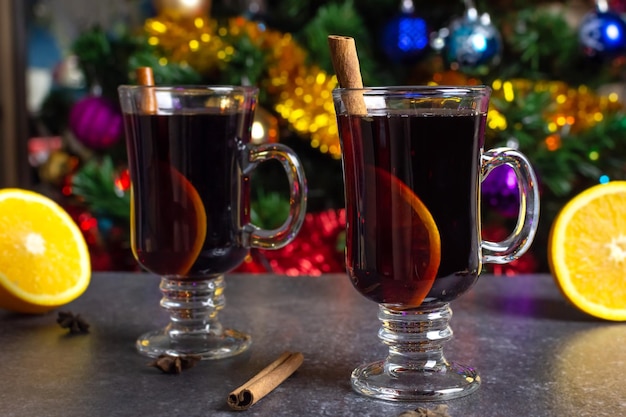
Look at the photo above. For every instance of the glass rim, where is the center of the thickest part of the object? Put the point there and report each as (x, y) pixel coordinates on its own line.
(412, 89)
(220, 88)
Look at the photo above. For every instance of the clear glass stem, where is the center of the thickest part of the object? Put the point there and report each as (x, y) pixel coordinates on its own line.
(194, 328)
(415, 369)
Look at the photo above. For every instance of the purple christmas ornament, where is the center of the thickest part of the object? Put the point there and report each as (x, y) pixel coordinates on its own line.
(500, 191)
(96, 122)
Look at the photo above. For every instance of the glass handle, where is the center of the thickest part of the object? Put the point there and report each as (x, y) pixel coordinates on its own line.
(518, 242)
(281, 236)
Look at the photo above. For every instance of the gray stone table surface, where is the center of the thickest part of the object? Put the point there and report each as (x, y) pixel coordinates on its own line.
(537, 355)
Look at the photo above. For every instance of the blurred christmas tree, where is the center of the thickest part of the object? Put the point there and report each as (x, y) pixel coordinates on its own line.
(556, 68)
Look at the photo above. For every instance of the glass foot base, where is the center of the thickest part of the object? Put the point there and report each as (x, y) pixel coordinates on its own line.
(206, 346)
(438, 383)
(194, 328)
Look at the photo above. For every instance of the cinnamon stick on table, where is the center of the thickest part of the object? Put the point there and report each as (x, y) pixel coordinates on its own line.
(348, 71)
(145, 76)
(265, 381)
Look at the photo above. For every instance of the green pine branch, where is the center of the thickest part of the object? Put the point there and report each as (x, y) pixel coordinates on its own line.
(94, 184)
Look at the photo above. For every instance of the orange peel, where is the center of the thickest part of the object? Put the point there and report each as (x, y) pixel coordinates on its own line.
(192, 219)
(424, 240)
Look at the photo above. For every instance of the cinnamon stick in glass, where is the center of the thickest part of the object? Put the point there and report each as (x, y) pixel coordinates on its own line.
(145, 76)
(348, 71)
(265, 381)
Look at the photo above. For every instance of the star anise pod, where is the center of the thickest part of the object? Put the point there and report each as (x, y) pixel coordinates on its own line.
(75, 323)
(440, 411)
(169, 364)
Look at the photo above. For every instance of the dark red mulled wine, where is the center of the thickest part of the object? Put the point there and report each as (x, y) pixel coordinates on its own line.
(190, 197)
(412, 204)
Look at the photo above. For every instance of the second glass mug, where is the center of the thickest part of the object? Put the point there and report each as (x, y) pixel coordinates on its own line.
(413, 161)
(190, 160)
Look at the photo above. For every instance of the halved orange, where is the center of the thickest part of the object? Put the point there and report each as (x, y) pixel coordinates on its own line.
(44, 260)
(413, 236)
(587, 251)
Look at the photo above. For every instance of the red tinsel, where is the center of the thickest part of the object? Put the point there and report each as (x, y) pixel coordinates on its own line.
(318, 249)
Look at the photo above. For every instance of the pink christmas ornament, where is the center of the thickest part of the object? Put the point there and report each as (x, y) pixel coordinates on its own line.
(96, 122)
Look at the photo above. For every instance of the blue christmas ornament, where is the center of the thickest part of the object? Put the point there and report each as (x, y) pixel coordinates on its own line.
(470, 42)
(405, 37)
(602, 32)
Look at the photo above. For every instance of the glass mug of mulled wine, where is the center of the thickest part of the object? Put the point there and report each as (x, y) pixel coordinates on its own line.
(190, 161)
(413, 162)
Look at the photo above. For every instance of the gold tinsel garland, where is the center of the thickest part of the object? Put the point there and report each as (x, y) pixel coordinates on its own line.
(301, 93)
(298, 92)
(572, 109)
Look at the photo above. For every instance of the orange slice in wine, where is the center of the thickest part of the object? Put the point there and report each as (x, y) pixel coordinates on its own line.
(186, 217)
(195, 217)
(414, 236)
